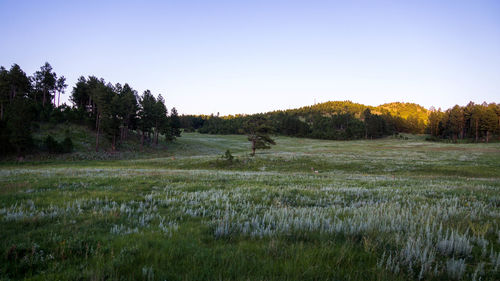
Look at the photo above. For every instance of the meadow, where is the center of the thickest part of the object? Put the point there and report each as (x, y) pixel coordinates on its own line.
(386, 209)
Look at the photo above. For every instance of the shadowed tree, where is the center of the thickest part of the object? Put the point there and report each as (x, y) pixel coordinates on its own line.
(45, 83)
(375, 126)
(489, 120)
(60, 87)
(19, 83)
(160, 117)
(257, 130)
(80, 96)
(146, 114)
(128, 109)
(20, 116)
(456, 122)
(96, 94)
(4, 90)
(175, 124)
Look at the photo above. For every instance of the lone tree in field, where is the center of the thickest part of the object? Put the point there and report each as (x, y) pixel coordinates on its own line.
(257, 129)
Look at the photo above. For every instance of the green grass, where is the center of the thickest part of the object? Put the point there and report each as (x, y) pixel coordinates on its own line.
(183, 213)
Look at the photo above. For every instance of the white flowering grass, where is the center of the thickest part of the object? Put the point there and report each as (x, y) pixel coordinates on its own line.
(384, 209)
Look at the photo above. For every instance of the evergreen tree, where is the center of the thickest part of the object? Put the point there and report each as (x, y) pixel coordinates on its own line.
(257, 130)
(4, 90)
(489, 121)
(160, 118)
(175, 124)
(20, 117)
(45, 84)
(128, 110)
(19, 83)
(146, 114)
(60, 87)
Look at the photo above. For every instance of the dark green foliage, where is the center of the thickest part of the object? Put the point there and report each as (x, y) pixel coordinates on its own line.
(191, 123)
(228, 156)
(347, 121)
(330, 120)
(478, 122)
(375, 125)
(55, 147)
(257, 130)
(45, 85)
(111, 110)
(20, 116)
(226, 160)
(5, 145)
(52, 145)
(175, 123)
(337, 127)
(67, 145)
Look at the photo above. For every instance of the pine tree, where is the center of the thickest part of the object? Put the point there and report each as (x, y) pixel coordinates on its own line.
(45, 83)
(175, 123)
(257, 130)
(146, 114)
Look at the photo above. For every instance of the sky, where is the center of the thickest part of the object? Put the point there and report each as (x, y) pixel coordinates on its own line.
(235, 57)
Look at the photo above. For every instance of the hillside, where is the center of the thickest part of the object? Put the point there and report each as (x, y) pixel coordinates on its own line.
(331, 107)
(404, 110)
(397, 109)
(83, 140)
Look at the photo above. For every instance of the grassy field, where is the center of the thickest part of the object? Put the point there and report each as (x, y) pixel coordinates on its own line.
(386, 209)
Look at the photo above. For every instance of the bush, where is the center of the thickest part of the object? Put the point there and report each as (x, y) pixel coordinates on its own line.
(226, 160)
(432, 138)
(67, 145)
(52, 146)
(228, 156)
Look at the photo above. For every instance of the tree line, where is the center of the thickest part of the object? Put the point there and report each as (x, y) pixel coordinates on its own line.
(340, 120)
(478, 122)
(345, 120)
(112, 111)
(343, 126)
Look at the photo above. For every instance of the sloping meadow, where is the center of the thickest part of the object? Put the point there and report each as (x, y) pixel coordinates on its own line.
(305, 210)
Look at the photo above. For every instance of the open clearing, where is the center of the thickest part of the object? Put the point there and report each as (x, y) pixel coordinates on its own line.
(385, 209)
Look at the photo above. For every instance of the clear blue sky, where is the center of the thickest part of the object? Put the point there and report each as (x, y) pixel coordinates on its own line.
(255, 56)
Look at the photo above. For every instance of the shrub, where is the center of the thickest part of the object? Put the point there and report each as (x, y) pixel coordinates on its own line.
(67, 145)
(52, 146)
(228, 156)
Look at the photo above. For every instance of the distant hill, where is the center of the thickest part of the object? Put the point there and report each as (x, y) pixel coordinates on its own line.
(332, 107)
(328, 120)
(404, 110)
(397, 109)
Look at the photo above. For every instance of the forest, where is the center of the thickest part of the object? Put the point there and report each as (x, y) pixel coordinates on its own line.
(111, 111)
(345, 120)
(115, 111)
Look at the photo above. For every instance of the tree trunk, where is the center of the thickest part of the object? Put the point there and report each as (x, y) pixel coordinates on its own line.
(253, 147)
(97, 135)
(58, 99)
(477, 130)
(142, 140)
(487, 136)
(1, 111)
(113, 145)
(155, 133)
